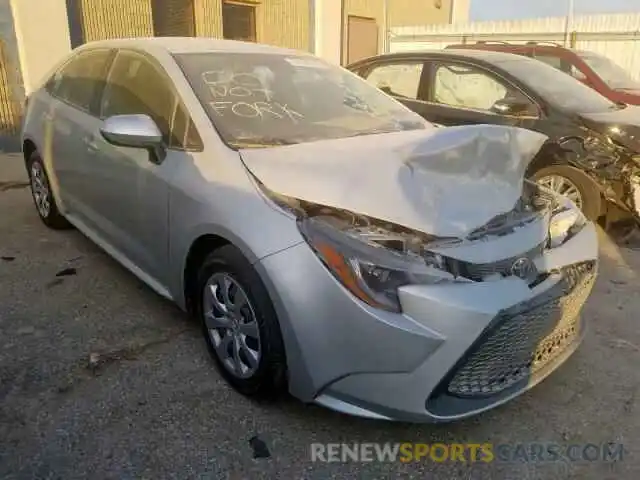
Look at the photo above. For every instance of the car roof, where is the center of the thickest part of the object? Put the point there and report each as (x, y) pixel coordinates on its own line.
(488, 56)
(189, 45)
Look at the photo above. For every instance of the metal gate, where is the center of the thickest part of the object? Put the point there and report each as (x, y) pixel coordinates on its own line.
(10, 109)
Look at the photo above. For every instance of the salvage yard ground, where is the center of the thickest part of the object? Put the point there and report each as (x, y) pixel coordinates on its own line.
(100, 378)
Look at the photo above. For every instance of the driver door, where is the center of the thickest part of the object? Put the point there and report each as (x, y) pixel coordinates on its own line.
(130, 189)
(465, 94)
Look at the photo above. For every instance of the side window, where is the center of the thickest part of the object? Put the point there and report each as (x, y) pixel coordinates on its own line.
(80, 81)
(468, 87)
(136, 86)
(555, 62)
(577, 73)
(399, 79)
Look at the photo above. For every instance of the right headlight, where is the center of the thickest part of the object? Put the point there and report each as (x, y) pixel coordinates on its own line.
(371, 271)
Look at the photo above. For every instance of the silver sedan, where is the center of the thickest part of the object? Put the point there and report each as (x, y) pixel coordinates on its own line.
(332, 243)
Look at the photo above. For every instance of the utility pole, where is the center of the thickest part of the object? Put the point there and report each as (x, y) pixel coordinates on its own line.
(385, 26)
(569, 23)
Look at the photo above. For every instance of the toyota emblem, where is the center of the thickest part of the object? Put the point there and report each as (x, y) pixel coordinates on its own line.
(524, 268)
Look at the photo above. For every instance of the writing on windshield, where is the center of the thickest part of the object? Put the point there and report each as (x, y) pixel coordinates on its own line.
(245, 95)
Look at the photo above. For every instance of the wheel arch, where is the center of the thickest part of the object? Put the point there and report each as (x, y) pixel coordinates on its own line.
(28, 148)
(202, 243)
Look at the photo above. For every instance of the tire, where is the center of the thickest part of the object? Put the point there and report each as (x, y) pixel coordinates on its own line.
(267, 380)
(587, 188)
(42, 195)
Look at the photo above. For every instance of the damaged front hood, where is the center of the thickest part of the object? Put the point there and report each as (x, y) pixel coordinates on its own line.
(446, 182)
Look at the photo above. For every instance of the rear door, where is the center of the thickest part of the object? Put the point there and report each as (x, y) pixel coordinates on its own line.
(461, 93)
(402, 79)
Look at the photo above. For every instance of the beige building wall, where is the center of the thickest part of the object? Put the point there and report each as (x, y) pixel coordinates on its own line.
(278, 22)
(419, 12)
(102, 19)
(284, 23)
(42, 34)
(208, 19)
(367, 9)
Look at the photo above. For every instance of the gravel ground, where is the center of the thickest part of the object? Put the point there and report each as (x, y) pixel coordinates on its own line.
(156, 408)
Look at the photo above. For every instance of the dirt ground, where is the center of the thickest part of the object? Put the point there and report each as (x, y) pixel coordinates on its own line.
(156, 408)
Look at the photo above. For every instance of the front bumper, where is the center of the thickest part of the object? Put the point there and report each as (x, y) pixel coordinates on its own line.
(457, 349)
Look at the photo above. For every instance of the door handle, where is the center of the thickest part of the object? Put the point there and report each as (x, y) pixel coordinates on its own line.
(91, 144)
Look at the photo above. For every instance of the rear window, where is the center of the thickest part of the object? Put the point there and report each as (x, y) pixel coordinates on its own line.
(609, 72)
(556, 87)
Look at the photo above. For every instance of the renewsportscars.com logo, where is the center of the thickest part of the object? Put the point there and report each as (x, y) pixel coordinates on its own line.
(466, 452)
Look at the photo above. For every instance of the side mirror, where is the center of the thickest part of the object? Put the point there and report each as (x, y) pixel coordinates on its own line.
(513, 107)
(135, 131)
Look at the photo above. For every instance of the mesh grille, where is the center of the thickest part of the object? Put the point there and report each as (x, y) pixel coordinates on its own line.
(526, 337)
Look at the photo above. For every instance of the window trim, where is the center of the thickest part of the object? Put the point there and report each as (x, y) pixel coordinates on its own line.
(179, 101)
(97, 96)
(433, 64)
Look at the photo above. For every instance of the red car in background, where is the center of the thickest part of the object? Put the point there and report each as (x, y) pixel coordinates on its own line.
(592, 69)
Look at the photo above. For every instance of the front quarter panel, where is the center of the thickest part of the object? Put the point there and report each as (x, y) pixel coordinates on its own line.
(213, 194)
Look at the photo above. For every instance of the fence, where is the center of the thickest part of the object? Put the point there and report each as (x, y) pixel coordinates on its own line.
(616, 36)
(10, 107)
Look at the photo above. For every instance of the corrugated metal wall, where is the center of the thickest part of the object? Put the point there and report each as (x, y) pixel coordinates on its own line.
(102, 19)
(284, 23)
(278, 22)
(173, 18)
(208, 18)
(616, 36)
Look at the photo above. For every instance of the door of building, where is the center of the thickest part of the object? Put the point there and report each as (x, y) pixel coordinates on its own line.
(362, 38)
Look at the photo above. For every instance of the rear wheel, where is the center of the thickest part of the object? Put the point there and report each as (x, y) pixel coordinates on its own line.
(43, 195)
(573, 184)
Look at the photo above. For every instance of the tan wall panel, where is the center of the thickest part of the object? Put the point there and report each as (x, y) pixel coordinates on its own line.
(102, 19)
(284, 23)
(208, 15)
(418, 12)
(367, 9)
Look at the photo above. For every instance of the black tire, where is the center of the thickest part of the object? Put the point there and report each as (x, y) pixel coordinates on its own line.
(589, 191)
(52, 218)
(270, 377)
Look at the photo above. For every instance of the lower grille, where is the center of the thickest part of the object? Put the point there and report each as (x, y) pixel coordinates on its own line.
(526, 337)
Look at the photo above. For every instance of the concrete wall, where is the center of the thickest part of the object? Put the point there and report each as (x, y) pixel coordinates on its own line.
(42, 33)
(460, 11)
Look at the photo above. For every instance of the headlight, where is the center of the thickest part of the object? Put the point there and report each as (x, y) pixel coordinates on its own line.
(369, 270)
(566, 221)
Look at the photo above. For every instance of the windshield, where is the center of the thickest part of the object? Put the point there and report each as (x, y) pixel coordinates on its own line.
(258, 100)
(556, 87)
(613, 75)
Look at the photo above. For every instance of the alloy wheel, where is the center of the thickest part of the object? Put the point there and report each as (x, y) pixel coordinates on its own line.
(232, 325)
(562, 186)
(40, 189)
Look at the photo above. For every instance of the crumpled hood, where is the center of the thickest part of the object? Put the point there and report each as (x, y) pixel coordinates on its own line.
(445, 182)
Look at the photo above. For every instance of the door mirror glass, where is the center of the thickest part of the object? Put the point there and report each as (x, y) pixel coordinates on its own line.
(135, 131)
(513, 107)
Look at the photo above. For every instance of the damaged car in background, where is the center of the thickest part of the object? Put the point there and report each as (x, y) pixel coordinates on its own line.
(335, 246)
(593, 152)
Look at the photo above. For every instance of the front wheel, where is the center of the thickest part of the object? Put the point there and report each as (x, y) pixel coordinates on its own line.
(240, 325)
(573, 184)
(42, 194)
